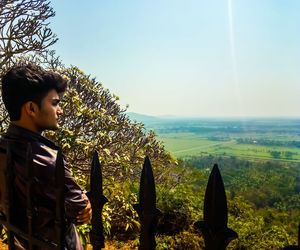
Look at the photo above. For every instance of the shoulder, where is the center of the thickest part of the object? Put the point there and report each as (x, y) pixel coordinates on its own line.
(43, 153)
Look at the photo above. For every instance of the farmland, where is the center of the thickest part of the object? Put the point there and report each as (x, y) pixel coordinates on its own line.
(251, 138)
(183, 145)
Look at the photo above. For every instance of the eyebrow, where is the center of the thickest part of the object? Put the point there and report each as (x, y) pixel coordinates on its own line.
(56, 100)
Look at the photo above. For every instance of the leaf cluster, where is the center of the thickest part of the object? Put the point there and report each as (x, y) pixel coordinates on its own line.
(24, 28)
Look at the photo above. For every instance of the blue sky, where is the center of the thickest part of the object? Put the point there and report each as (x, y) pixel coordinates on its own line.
(187, 58)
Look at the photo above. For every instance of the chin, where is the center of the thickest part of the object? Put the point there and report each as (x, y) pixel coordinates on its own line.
(53, 128)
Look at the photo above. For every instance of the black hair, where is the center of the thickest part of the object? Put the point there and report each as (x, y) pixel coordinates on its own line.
(25, 83)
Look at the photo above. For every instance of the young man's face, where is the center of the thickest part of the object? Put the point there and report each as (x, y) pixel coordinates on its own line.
(47, 115)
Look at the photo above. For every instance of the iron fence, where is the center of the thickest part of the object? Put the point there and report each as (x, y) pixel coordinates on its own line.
(213, 227)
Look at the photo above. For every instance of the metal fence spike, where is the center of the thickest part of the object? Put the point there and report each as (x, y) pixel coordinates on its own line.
(215, 204)
(147, 188)
(148, 213)
(214, 227)
(97, 201)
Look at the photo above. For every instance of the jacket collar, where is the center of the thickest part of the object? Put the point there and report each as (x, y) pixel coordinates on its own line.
(20, 132)
(17, 132)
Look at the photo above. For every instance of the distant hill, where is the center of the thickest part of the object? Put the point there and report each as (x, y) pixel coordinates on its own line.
(141, 118)
(148, 118)
(171, 124)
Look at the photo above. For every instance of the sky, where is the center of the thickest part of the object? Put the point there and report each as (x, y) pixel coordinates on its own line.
(192, 58)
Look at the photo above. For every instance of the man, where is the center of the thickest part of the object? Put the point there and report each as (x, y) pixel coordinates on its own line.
(31, 96)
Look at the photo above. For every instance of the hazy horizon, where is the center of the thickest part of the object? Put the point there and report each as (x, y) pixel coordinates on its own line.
(194, 58)
(209, 117)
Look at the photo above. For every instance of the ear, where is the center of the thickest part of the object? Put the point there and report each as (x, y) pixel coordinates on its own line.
(30, 108)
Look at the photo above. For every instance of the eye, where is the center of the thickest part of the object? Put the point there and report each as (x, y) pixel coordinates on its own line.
(55, 102)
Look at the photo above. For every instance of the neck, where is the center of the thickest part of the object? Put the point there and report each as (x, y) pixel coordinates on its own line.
(26, 126)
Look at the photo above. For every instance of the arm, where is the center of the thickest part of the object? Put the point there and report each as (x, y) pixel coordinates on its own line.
(78, 206)
(76, 202)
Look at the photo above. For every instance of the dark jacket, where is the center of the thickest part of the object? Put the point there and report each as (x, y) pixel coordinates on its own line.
(44, 160)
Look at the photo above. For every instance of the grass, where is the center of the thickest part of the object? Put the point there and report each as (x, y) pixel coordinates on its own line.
(185, 142)
(182, 145)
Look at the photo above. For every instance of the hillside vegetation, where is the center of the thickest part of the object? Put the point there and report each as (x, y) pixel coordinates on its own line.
(260, 164)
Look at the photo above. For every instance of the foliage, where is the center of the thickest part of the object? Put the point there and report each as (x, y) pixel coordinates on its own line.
(3, 235)
(265, 183)
(120, 212)
(268, 142)
(253, 230)
(183, 240)
(275, 154)
(24, 28)
(181, 206)
(84, 231)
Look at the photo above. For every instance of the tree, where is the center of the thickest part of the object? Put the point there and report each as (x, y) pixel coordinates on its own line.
(275, 154)
(24, 28)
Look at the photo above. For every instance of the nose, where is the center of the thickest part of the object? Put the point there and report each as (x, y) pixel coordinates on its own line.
(59, 110)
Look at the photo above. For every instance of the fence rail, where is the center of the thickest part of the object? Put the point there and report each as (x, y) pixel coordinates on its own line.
(213, 227)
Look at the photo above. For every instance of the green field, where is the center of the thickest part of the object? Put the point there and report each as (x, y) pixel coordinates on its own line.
(255, 138)
(183, 145)
(261, 138)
